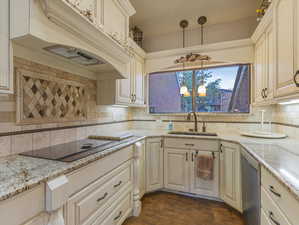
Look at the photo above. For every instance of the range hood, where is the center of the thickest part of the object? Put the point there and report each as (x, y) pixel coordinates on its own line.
(55, 28)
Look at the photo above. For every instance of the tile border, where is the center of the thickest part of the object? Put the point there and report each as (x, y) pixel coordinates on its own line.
(32, 131)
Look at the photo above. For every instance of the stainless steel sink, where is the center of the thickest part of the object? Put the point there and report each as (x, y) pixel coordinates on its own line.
(192, 133)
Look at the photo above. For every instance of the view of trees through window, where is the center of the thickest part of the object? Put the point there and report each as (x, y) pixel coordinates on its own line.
(223, 89)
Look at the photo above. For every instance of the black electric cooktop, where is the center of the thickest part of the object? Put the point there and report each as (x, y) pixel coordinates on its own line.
(72, 151)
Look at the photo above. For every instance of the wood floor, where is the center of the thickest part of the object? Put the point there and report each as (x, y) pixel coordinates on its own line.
(162, 208)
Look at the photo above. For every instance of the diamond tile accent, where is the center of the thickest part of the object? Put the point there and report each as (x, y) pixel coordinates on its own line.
(44, 98)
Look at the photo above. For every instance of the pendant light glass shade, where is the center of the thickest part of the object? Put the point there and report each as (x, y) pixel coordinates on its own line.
(183, 90)
(202, 90)
(187, 94)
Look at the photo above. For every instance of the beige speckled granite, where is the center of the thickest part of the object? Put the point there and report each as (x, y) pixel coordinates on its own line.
(279, 157)
(20, 173)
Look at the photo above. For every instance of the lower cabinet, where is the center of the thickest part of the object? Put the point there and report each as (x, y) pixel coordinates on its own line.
(230, 175)
(88, 206)
(176, 169)
(154, 164)
(200, 186)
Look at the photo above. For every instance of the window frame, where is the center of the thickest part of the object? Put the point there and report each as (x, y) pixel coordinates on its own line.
(239, 114)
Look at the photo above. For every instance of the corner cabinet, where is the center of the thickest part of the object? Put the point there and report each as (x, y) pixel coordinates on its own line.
(6, 67)
(230, 175)
(154, 164)
(130, 91)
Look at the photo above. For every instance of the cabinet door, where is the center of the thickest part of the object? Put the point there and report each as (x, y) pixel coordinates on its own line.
(139, 81)
(200, 186)
(230, 175)
(154, 164)
(270, 63)
(176, 169)
(259, 69)
(124, 87)
(284, 24)
(6, 74)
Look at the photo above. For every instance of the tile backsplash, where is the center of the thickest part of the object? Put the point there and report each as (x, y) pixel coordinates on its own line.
(109, 119)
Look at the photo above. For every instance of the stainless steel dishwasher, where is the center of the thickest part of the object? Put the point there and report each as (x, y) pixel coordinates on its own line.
(251, 190)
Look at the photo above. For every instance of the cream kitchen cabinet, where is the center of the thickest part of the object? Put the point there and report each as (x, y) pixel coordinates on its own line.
(286, 30)
(154, 164)
(200, 186)
(180, 166)
(230, 175)
(264, 61)
(6, 62)
(176, 169)
(130, 91)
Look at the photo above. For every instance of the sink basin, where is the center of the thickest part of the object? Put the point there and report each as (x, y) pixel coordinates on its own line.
(192, 133)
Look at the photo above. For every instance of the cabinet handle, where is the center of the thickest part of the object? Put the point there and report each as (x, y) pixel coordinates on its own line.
(132, 98)
(135, 97)
(192, 157)
(221, 148)
(161, 144)
(271, 188)
(295, 78)
(186, 156)
(117, 185)
(190, 145)
(102, 198)
(266, 92)
(263, 93)
(118, 216)
(271, 216)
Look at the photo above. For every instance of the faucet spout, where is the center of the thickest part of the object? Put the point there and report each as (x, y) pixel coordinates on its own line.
(195, 120)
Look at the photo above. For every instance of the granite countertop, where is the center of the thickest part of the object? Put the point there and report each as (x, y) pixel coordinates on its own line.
(20, 173)
(279, 157)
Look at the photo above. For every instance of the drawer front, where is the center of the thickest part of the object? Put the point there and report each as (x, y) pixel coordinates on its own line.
(264, 218)
(118, 212)
(194, 144)
(101, 195)
(281, 196)
(271, 210)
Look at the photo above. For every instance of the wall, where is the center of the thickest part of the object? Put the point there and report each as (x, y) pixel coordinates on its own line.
(16, 138)
(236, 30)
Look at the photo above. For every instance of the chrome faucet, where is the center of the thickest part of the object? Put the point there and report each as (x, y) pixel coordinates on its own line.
(195, 120)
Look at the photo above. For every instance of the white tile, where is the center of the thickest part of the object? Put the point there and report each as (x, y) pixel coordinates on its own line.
(5, 146)
(41, 140)
(21, 143)
(70, 135)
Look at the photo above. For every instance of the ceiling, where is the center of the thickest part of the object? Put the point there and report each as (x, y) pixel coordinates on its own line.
(157, 17)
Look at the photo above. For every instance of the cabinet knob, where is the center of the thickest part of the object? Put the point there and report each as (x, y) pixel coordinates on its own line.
(296, 78)
(263, 93)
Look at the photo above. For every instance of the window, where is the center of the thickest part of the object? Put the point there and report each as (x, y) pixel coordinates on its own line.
(223, 89)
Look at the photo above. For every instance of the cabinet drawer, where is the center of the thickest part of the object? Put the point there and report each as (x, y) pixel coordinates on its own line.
(85, 206)
(194, 144)
(101, 195)
(264, 218)
(272, 212)
(118, 212)
(280, 195)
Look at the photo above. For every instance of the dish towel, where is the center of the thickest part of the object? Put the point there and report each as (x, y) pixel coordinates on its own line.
(205, 167)
(56, 218)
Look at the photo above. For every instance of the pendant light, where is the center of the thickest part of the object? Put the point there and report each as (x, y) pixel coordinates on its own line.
(202, 90)
(184, 89)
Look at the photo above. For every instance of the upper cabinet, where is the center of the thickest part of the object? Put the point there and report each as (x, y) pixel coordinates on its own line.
(130, 91)
(285, 20)
(6, 71)
(276, 67)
